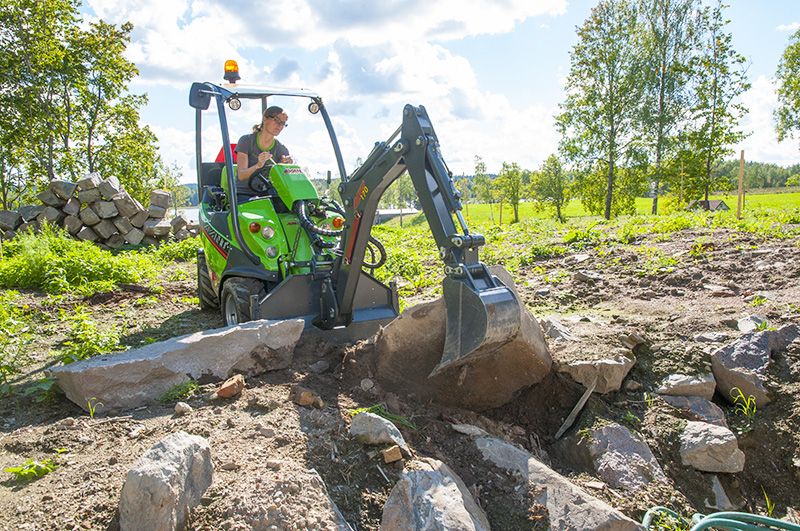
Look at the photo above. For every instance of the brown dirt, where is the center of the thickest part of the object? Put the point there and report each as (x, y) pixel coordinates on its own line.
(668, 306)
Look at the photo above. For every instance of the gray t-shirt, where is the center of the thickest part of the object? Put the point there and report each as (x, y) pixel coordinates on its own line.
(249, 144)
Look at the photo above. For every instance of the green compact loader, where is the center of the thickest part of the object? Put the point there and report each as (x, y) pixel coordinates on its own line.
(289, 253)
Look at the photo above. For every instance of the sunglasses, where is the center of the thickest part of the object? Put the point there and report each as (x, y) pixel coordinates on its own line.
(278, 121)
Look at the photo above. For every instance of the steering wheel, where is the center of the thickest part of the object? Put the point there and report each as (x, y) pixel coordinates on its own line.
(259, 182)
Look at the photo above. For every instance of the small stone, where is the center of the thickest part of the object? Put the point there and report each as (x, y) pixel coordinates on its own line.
(230, 465)
(367, 384)
(633, 340)
(319, 367)
(632, 385)
(233, 386)
(303, 396)
(588, 276)
(181, 408)
(392, 454)
(273, 464)
(266, 431)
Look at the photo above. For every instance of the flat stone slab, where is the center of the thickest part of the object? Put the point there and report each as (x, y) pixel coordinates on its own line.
(688, 385)
(569, 508)
(139, 376)
(622, 459)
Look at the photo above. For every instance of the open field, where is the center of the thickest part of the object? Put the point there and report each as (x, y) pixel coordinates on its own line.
(490, 214)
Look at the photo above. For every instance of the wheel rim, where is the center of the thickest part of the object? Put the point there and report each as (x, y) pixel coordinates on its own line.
(231, 316)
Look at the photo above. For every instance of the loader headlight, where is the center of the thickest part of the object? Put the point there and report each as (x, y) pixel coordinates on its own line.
(272, 251)
(268, 233)
(313, 107)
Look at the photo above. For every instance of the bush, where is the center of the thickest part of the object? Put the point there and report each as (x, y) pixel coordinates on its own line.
(177, 251)
(85, 338)
(14, 337)
(53, 262)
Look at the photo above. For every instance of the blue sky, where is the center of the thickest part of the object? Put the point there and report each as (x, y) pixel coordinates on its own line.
(489, 73)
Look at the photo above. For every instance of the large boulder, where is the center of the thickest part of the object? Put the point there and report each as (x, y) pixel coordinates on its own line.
(139, 376)
(743, 364)
(569, 508)
(688, 385)
(434, 498)
(165, 484)
(9, 220)
(622, 459)
(408, 348)
(711, 448)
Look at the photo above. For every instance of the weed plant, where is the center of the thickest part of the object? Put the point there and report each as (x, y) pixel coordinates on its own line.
(85, 338)
(181, 391)
(381, 411)
(15, 335)
(32, 469)
(175, 251)
(54, 262)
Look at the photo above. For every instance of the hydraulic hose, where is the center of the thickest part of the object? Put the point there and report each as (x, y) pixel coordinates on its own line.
(316, 231)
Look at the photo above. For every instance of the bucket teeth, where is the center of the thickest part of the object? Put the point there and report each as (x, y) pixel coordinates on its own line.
(478, 322)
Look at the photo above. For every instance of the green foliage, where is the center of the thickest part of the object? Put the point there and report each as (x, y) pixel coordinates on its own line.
(744, 405)
(381, 411)
(758, 300)
(92, 404)
(510, 186)
(42, 390)
(719, 78)
(32, 469)
(700, 247)
(15, 335)
(181, 391)
(581, 237)
(770, 505)
(176, 251)
(631, 419)
(537, 251)
(53, 262)
(787, 115)
(68, 84)
(85, 337)
(551, 186)
(598, 120)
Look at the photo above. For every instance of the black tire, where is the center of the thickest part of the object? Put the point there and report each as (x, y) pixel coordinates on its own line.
(235, 299)
(205, 289)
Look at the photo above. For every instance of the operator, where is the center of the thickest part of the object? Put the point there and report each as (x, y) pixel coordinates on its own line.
(260, 148)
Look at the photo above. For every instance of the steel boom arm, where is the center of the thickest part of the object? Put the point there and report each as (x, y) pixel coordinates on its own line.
(416, 151)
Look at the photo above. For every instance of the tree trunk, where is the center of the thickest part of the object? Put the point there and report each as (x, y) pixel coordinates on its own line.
(501, 212)
(610, 188)
(516, 212)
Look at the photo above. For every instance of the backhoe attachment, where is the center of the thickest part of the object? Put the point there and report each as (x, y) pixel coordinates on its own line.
(482, 313)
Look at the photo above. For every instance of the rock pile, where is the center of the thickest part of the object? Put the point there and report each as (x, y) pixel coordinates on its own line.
(97, 210)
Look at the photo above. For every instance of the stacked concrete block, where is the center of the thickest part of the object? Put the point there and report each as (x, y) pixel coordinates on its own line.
(98, 210)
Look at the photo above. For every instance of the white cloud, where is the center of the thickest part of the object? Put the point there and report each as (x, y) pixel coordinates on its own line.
(762, 145)
(791, 27)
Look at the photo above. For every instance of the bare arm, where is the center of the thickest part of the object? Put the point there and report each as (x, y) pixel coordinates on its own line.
(245, 171)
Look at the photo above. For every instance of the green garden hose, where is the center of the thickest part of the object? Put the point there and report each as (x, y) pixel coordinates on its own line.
(723, 520)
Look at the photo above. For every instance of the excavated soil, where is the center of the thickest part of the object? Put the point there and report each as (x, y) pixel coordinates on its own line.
(666, 289)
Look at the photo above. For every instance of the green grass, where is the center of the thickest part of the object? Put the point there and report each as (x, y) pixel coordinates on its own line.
(490, 214)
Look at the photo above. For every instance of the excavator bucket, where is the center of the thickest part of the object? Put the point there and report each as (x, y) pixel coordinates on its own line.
(479, 321)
